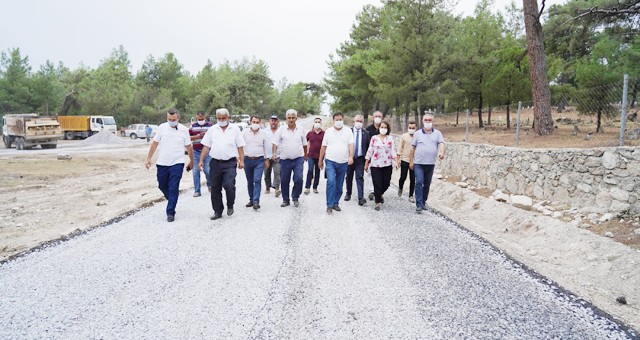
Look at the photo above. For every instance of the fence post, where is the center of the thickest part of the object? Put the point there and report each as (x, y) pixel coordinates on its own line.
(518, 125)
(467, 136)
(623, 113)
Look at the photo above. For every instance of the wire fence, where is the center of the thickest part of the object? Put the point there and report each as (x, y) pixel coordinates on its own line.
(597, 116)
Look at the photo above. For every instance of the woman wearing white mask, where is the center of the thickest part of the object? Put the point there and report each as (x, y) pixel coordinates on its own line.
(381, 158)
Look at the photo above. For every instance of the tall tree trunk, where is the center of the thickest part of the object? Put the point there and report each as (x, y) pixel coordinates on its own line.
(418, 110)
(508, 115)
(489, 116)
(599, 126)
(537, 69)
(46, 107)
(457, 116)
(480, 122)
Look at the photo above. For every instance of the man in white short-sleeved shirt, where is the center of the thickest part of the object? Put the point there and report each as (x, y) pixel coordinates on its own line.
(172, 138)
(337, 148)
(291, 142)
(224, 143)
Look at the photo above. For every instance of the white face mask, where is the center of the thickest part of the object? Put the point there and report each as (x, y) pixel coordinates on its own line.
(358, 125)
(411, 131)
(377, 120)
(223, 123)
(317, 125)
(338, 124)
(428, 126)
(173, 124)
(383, 131)
(255, 126)
(202, 122)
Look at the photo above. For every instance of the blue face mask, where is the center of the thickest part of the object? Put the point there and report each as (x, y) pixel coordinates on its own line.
(173, 124)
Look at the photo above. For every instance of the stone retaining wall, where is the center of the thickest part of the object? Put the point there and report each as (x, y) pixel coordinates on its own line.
(599, 180)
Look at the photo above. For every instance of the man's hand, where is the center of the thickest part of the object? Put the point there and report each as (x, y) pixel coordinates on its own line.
(274, 158)
(321, 163)
(241, 164)
(147, 164)
(201, 166)
(189, 166)
(411, 165)
(441, 155)
(305, 158)
(350, 161)
(266, 164)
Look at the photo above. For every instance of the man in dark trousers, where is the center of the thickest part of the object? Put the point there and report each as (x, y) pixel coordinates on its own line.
(362, 139)
(373, 129)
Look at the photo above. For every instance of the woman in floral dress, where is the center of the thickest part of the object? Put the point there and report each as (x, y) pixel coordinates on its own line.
(381, 158)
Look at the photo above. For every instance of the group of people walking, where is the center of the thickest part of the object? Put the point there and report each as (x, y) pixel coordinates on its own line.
(368, 154)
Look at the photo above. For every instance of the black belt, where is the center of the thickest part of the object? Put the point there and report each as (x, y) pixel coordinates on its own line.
(254, 158)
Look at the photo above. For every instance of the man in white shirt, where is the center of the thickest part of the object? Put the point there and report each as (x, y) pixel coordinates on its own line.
(172, 138)
(224, 143)
(274, 163)
(257, 146)
(337, 148)
(291, 141)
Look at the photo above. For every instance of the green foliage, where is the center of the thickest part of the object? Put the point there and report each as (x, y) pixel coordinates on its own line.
(15, 82)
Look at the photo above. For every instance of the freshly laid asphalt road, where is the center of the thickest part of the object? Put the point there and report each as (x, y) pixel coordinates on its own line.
(286, 273)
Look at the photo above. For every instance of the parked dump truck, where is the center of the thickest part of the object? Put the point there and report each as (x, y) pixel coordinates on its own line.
(28, 130)
(85, 126)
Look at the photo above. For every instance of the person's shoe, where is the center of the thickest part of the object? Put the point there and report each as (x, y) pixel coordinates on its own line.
(306, 191)
(362, 201)
(347, 197)
(229, 211)
(329, 211)
(267, 191)
(378, 205)
(171, 218)
(277, 193)
(381, 200)
(256, 205)
(215, 217)
(249, 205)
(196, 194)
(418, 210)
(315, 191)
(337, 208)
(411, 199)
(425, 206)
(370, 196)
(399, 192)
(296, 203)
(285, 204)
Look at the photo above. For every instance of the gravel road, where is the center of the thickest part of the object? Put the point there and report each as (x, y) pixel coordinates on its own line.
(286, 273)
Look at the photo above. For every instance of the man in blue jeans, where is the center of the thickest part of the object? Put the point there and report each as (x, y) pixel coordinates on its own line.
(257, 144)
(337, 148)
(428, 144)
(172, 138)
(196, 132)
(291, 141)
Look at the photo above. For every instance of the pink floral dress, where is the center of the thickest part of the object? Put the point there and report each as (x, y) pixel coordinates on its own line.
(381, 153)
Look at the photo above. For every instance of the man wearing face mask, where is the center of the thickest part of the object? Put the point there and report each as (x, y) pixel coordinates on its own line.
(274, 163)
(224, 143)
(256, 148)
(314, 139)
(428, 144)
(337, 148)
(197, 131)
(373, 129)
(361, 145)
(172, 138)
(404, 153)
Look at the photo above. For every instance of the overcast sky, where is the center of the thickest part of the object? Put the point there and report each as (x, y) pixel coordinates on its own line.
(294, 37)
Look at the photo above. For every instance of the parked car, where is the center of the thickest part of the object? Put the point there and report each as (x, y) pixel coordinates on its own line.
(135, 131)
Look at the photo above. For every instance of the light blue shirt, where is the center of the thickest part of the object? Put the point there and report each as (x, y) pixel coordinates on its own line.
(426, 145)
